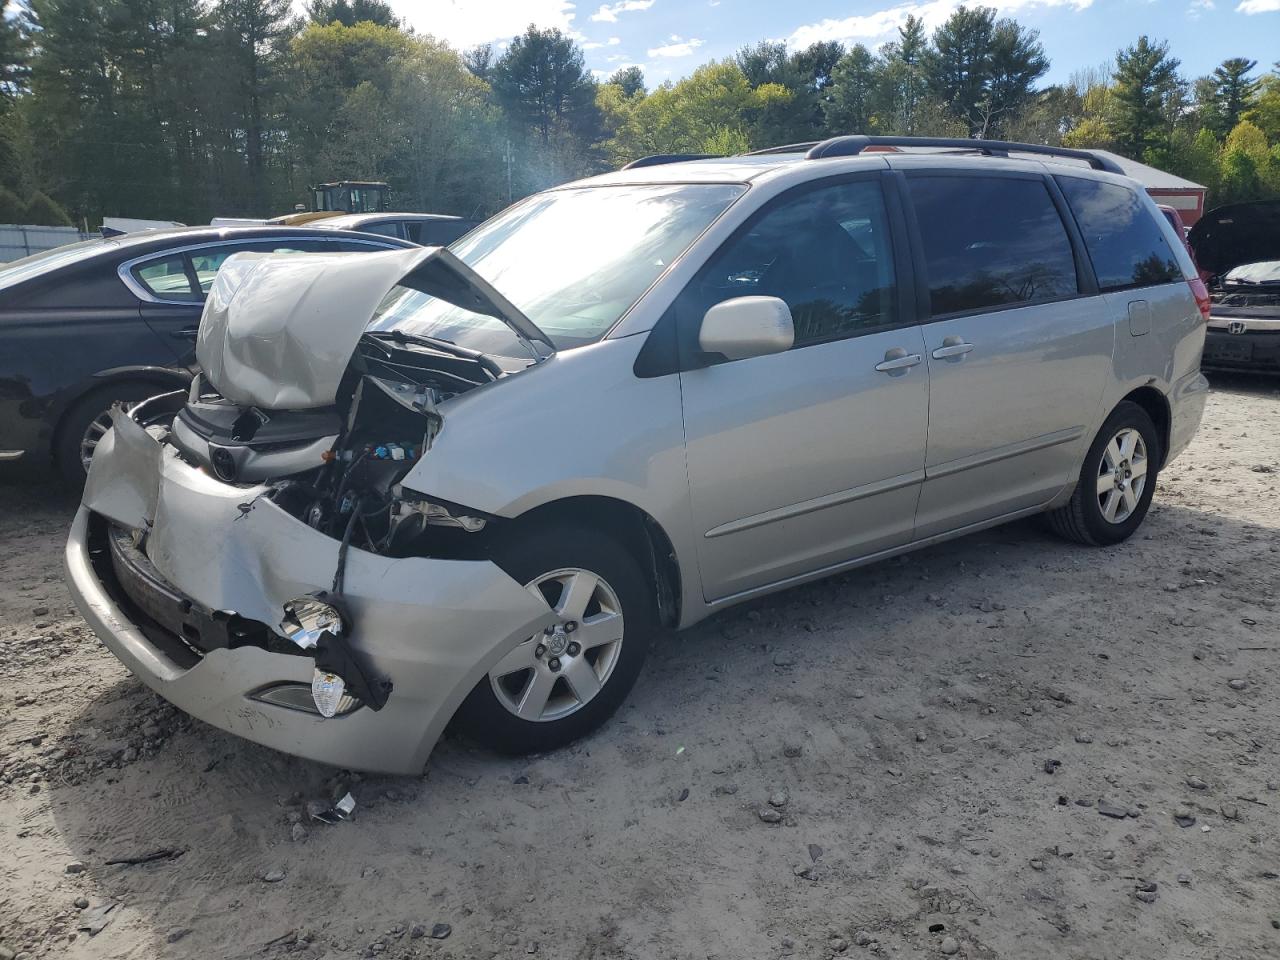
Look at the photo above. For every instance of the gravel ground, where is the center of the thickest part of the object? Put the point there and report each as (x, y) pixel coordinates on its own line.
(1005, 746)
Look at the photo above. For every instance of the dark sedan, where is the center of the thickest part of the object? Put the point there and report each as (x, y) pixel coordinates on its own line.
(89, 324)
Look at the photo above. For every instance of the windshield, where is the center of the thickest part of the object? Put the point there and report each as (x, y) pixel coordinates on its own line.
(572, 261)
(38, 263)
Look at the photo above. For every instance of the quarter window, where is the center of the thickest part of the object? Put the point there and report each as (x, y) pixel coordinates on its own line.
(826, 252)
(1125, 243)
(991, 242)
(167, 278)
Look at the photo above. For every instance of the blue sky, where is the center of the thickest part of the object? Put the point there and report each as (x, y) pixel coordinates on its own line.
(669, 38)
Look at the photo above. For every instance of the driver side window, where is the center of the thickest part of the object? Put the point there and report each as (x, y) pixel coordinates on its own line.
(826, 251)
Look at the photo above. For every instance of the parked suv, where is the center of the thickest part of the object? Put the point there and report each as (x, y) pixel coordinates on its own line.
(470, 483)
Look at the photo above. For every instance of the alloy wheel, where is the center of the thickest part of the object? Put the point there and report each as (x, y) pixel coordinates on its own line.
(93, 433)
(557, 672)
(1122, 475)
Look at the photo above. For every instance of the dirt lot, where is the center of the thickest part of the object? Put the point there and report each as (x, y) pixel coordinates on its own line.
(898, 724)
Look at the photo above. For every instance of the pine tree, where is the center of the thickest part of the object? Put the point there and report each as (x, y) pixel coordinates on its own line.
(630, 79)
(1233, 92)
(1146, 83)
(849, 108)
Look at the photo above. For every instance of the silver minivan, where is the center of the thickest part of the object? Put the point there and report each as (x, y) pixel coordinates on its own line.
(470, 484)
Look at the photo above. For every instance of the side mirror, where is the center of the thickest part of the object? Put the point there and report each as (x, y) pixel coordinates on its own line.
(747, 327)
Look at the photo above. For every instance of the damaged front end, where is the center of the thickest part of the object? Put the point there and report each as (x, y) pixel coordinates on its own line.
(258, 561)
(299, 395)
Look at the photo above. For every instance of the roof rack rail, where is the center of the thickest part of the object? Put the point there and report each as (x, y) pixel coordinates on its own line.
(784, 148)
(660, 158)
(850, 146)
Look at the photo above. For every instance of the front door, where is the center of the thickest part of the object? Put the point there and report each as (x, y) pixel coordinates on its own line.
(1018, 351)
(801, 460)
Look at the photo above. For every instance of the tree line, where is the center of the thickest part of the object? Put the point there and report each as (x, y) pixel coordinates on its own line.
(188, 109)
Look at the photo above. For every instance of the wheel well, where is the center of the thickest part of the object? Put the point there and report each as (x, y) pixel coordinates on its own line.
(147, 378)
(1157, 406)
(635, 529)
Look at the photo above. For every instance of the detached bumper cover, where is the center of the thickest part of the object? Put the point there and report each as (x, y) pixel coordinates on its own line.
(433, 627)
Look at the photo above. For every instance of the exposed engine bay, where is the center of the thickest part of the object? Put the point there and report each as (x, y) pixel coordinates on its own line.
(338, 468)
(299, 395)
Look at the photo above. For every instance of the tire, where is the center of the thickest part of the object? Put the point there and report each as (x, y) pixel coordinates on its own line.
(75, 425)
(1098, 517)
(544, 557)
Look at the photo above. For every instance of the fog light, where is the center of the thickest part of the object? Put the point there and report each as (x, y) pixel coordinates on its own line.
(327, 690)
(298, 696)
(307, 619)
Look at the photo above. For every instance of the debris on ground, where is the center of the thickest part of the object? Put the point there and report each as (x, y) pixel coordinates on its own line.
(95, 919)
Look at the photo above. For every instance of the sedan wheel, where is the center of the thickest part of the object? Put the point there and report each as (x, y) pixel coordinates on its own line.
(94, 432)
(559, 671)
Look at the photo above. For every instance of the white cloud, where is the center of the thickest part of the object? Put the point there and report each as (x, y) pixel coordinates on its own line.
(883, 23)
(608, 13)
(676, 48)
(597, 44)
(1258, 6)
(465, 23)
(1198, 7)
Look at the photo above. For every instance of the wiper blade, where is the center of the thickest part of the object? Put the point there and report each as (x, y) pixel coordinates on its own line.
(440, 344)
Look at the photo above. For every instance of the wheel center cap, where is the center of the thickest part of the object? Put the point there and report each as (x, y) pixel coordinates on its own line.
(557, 641)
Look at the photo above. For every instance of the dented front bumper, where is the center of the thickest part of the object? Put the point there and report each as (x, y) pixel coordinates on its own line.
(432, 627)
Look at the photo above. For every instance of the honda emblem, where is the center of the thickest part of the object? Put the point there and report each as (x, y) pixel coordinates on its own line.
(1236, 326)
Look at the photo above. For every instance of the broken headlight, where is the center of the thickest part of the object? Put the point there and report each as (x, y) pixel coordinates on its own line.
(307, 619)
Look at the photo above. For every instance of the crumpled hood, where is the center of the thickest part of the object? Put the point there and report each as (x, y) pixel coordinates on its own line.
(278, 330)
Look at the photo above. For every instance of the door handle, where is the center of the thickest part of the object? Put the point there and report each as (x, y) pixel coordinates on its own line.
(897, 361)
(186, 333)
(953, 348)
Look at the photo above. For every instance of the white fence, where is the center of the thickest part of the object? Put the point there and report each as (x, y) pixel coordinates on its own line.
(19, 240)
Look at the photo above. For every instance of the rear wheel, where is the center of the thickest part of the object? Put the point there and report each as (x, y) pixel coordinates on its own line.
(88, 420)
(1117, 481)
(562, 683)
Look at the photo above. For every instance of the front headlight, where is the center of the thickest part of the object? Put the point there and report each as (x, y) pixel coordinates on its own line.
(307, 619)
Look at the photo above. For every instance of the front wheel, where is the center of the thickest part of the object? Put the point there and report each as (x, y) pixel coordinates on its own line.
(1117, 481)
(562, 683)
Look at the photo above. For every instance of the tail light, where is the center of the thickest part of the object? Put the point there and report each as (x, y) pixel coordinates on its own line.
(1201, 293)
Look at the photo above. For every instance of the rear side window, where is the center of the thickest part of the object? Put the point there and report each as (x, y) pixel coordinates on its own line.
(1125, 243)
(991, 242)
(167, 278)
